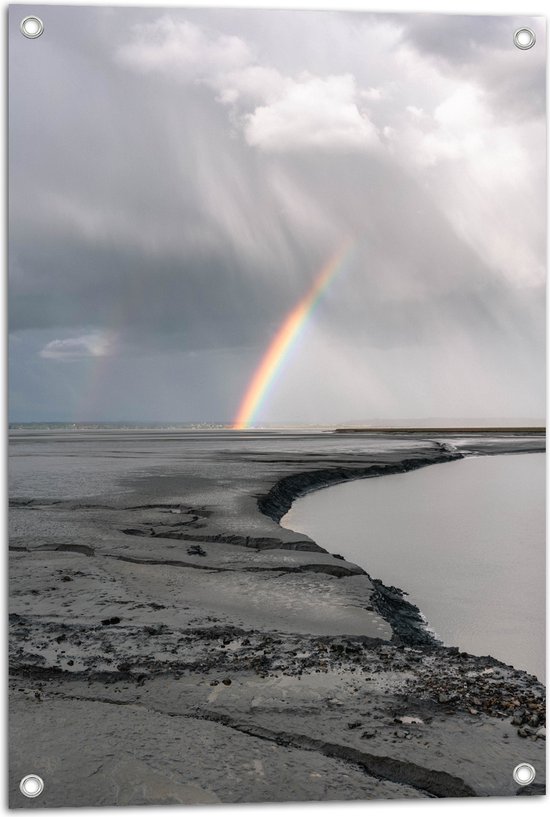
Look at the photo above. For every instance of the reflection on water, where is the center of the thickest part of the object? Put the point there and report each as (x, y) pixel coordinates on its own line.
(465, 539)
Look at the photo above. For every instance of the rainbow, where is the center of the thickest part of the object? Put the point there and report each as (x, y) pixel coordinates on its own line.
(288, 333)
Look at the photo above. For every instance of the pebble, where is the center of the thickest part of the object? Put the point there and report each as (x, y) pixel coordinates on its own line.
(408, 719)
(519, 717)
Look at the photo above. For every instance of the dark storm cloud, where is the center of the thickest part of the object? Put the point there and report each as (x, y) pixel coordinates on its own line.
(182, 175)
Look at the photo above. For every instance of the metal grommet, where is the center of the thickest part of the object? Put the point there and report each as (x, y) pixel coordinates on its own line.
(31, 785)
(524, 38)
(31, 27)
(524, 774)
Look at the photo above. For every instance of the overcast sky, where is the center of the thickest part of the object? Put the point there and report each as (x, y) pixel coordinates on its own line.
(179, 177)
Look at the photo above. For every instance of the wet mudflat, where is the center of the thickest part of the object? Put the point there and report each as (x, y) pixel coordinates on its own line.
(171, 643)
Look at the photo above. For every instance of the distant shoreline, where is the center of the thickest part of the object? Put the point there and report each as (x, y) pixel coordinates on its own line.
(444, 430)
(269, 428)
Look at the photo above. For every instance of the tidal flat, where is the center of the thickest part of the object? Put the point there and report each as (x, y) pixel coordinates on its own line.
(170, 642)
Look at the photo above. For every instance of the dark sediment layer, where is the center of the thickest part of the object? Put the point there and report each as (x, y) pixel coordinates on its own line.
(407, 622)
(278, 501)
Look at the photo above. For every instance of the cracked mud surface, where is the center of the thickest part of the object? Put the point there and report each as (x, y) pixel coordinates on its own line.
(170, 643)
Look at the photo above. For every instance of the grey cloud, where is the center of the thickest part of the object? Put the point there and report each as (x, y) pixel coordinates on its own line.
(481, 48)
(457, 39)
(85, 346)
(140, 212)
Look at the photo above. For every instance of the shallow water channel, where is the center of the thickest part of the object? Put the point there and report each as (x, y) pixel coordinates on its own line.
(465, 540)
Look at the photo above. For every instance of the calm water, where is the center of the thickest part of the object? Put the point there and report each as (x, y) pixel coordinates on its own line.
(465, 539)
